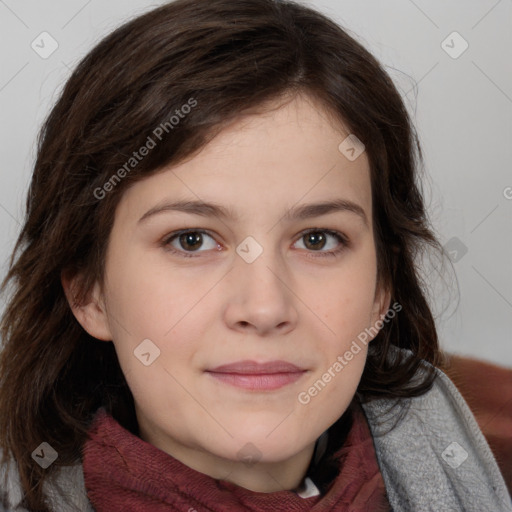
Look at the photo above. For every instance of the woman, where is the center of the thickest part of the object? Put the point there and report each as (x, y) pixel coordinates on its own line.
(216, 304)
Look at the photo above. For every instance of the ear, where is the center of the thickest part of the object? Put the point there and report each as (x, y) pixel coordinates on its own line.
(91, 314)
(380, 308)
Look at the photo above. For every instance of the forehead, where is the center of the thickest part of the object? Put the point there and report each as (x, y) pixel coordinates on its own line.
(262, 163)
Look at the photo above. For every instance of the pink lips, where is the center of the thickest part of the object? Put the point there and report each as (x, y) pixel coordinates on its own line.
(257, 376)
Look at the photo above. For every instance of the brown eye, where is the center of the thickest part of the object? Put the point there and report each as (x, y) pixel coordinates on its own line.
(323, 242)
(191, 241)
(188, 242)
(315, 240)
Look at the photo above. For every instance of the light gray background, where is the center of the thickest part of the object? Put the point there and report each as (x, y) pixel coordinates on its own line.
(461, 106)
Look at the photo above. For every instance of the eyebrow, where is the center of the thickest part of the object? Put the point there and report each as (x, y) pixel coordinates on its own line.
(301, 212)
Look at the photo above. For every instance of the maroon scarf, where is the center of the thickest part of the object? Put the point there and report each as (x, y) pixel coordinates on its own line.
(125, 473)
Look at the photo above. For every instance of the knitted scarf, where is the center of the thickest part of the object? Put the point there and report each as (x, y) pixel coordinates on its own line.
(123, 472)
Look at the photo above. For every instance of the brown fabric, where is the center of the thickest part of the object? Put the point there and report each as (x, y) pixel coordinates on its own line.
(487, 389)
(123, 472)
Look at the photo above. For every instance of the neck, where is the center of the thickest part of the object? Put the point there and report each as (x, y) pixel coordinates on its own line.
(258, 476)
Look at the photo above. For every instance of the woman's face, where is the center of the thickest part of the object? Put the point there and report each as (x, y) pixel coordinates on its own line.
(248, 285)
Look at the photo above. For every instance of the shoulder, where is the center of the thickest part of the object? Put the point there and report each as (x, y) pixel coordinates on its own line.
(65, 491)
(432, 452)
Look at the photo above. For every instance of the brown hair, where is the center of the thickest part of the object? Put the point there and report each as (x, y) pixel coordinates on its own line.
(229, 57)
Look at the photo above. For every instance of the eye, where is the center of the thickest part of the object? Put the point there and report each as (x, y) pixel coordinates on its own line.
(315, 240)
(190, 241)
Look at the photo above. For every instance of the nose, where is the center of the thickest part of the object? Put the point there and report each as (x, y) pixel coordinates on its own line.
(260, 297)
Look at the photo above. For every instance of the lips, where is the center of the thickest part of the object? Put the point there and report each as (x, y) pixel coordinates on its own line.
(255, 376)
(254, 368)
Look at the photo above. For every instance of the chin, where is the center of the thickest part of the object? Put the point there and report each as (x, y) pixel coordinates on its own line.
(269, 444)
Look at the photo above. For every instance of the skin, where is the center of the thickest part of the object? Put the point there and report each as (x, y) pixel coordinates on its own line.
(214, 308)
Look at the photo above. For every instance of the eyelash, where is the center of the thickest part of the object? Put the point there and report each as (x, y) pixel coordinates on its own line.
(342, 239)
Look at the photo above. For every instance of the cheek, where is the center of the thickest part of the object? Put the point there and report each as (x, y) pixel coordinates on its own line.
(329, 392)
(148, 298)
(346, 302)
(144, 305)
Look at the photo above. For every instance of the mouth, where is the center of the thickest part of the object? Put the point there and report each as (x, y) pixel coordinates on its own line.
(255, 376)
